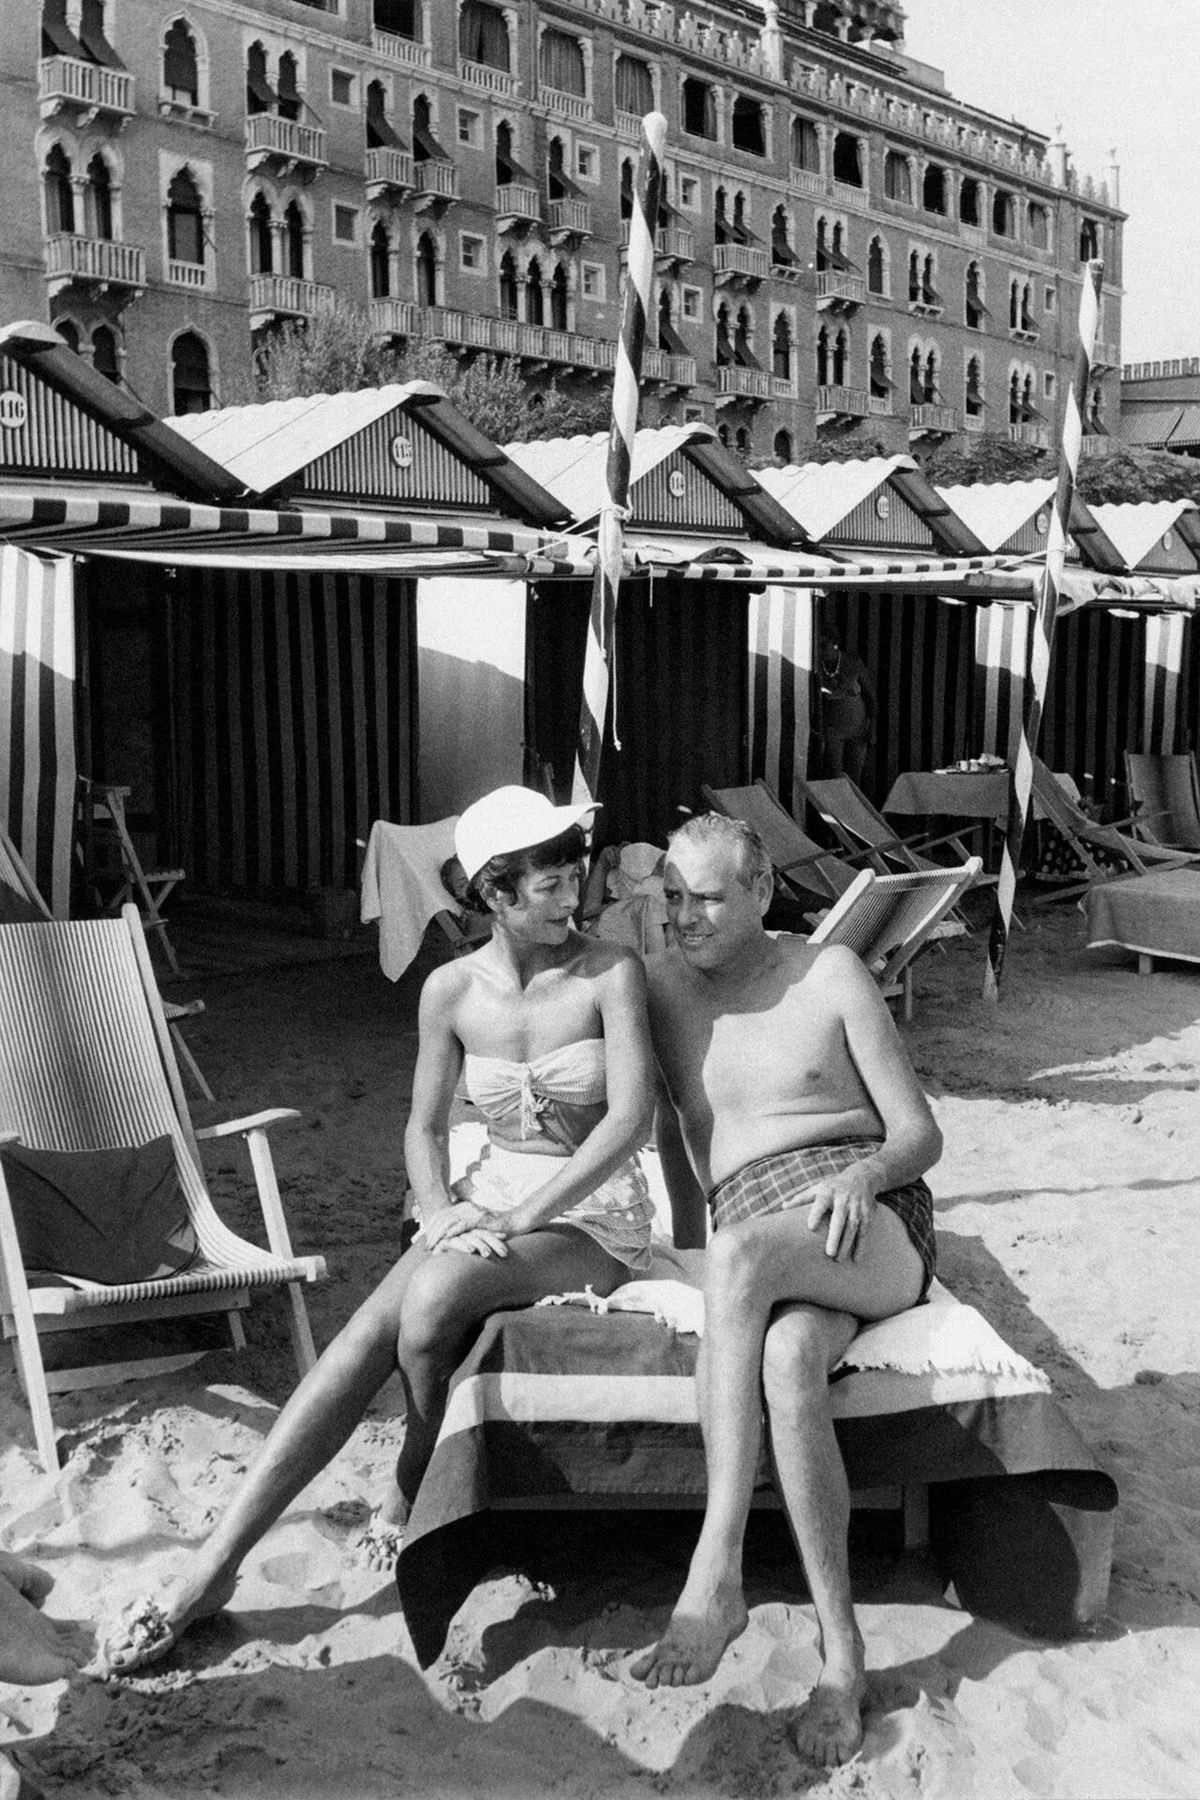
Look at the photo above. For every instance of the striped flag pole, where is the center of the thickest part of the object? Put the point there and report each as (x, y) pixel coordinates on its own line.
(1042, 631)
(635, 311)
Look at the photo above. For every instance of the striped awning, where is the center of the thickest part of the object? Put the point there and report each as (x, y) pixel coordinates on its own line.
(984, 576)
(1149, 427)
(1186, 434)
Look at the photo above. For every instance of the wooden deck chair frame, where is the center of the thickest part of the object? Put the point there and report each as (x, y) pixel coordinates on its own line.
(86, 1061)
(1085, 835)
(811, 869)
(14, 872)
(858, 825)
(1165, 792)
(149, 889)
(888, 919)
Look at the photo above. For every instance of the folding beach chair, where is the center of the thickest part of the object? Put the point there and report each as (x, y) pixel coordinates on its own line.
(87, 1066)
(887, 919)
(858, 825)
(114, 863)
(1085, 836)
(799, 862)
(1166, 794)
(16, 877)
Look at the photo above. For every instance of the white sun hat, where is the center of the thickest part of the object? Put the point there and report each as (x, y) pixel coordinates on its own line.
(511, 818)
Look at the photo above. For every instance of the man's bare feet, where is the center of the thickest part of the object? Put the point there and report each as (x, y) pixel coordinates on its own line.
(697, 1636)
(26, 1577)
(828, 1728)
(33, 1648)
(152, 1626)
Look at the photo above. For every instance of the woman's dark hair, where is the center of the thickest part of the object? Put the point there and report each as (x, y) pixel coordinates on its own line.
(503, 872)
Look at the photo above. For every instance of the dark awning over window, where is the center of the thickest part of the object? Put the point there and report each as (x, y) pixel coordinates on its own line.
(57, 37)
(670, 340)
(261, 89)
(91, 36)
(426, 145)
(743, 355)
(380, 130)
(509, 169)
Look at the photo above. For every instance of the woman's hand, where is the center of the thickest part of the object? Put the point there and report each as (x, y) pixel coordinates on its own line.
(449, 1222)
(466, 1228)
(848, 1201)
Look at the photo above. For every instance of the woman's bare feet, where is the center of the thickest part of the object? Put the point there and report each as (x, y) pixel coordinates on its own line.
(33, 1648)
(828, 1728)
(26, 1577)
(700, 1630)
(152, 1626)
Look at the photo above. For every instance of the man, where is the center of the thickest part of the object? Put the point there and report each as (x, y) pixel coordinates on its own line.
(794, 1108)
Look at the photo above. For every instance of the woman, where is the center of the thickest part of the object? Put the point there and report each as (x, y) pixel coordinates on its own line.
(847, 706)
(548, 1027)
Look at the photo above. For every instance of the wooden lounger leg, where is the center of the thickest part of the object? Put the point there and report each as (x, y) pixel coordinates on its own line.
(302, 1337)
(189, 1062)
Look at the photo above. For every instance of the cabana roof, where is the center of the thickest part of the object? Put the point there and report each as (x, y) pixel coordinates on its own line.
(875, 501)
(405, 444)
(1015, 516)
(1154, 534)
(682, 479)
(1149, 427)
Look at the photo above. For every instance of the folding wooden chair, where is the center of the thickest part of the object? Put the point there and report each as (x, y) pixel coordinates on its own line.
(1086, 836)
(798, 861)
(15, 875)
(887, 919)
(1166, 794)
(858, 825)
(105, 827)
(86, 1064)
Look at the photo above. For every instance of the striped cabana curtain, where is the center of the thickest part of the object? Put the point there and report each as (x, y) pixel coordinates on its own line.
(780, 688)
(37, 716)
(1001, 660)
(1164, 721)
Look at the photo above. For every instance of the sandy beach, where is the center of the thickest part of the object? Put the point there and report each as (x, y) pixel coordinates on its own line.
(1068, 1211)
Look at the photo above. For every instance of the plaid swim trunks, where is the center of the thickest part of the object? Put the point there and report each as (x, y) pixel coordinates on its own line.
(777, 1183)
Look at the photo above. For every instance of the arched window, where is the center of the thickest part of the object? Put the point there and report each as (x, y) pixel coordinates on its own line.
(185, 219)
(181, 70)
(626, 195)
(560, 64)
(847, 159)
(973, 393)
(841, 359)
(1014, 398)
(1028, 322)
(782, 253)
(806, 146)
(973, 307)
(876, 267)
(535, 310)
(781, 348)
(105, 360)
(934, 189)
(782, 446)
(822, 244)
(508, 286)
(665, 325)
(914, 275)
(931, 378)
(1089, 240)
(897, 178)
(969, 201)
(426, 271)
(293, 240)
(99, 199)
(483, 35)
(262, 238)
(699, 109)
(1004, 214)
(290, 103)
(68, 331)
(748, 130)
(880, 375)
(724, 342)
(60, 195)
(558, 299)
(823, 357)
(723, 434)
(260, 95)
(191, 376)
(1014, 305)
(1029, 398)
(381, 134)
(916, 378)
(558, 182)
(380, 263)
(399, 18)
(1038, 221)
(743, 340)
(742, 442)
(634, 86)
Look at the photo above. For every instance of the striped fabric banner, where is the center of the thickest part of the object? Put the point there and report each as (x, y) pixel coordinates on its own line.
(638, 298)
(296, 723)
(1042, 635)
(1162, 697)
(37, 716)
(780, 697)
(1001, 658)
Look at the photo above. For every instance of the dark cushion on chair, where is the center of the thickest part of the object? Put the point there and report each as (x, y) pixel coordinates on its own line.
(100, 1215)
(15, 909)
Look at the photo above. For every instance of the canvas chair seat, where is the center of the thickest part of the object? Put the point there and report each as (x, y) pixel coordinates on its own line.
(1087, 836)
(87, 1063)
(799, 862)
(888, 919)
(1166, 796)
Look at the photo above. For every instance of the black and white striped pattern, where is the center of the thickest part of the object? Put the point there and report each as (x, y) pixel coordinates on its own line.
(1042, 631)
(37, 716)
(635, 310)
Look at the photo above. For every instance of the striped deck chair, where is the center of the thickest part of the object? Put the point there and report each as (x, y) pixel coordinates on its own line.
(1086, 835)
(86, 1063)
(887, 919)
(1166, 793)
(799, 862)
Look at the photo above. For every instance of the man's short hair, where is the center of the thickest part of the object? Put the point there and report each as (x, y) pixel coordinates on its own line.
(750, 853)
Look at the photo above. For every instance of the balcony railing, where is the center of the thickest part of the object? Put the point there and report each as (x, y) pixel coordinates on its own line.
(835, 285)
(940, 420)
(853, 403)
(974, 422)
(1030, 431)
(850, 193)
(1105, 356)
(672, 243)
(484, 76)
(272, 138)
(437, 178)
(783, 387)
(629, 125)
(807, 181)
(287, 296)
(566, 106)
(675, 371)
(879, 406)
(569, 218)
(744, 260)
(66, 81)
(93, 262)
(1026, 332)
(400, 49)
(517, 203)
(743, 384)
(502, 337)
(389, 167)
(186, 274)
(1096, 443)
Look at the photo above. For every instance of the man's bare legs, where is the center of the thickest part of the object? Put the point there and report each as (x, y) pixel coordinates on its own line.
(416, 1321)
(753, 1268)
(33, 1648)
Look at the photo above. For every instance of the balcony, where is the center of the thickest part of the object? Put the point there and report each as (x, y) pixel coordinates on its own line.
(187, 274)
(286, 297)
(518, 203)
(673, 244)
(1095, 443)
(542, 344)
(736, 383)
(1030, 431)
(94, 264)
(435, 183)
(287, 145)
(400, 49)
(629, 126)
(389, 170)
(806, 181)
(927, 420)
(927, 305)
(66, 84)
(672, 371)
(1025, 333)
(566, 106)
(848, 193)
(1105, 356)
(784, 387)
(569, 220)
(487, 79)
(837, 402)
(738, 263)
(879, 406)
(838, 291)
(974, 421)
